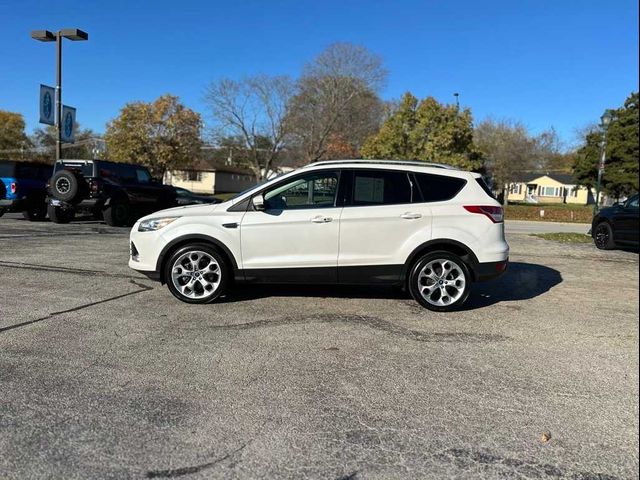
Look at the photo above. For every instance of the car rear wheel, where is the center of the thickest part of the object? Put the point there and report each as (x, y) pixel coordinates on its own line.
(603, 236)
(440, 281)
(60, 215)
(197, 273)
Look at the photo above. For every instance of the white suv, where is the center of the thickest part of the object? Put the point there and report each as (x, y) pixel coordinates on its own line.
(428, 228)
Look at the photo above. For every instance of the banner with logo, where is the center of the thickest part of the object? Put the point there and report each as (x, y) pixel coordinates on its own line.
(47, 104)
(68, 123)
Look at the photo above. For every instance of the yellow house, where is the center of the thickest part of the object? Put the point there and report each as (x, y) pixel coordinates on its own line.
(211, 179)
(549, 188)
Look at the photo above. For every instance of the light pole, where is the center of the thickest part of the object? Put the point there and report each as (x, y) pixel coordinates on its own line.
(457, 95)
(605, 120)
(47, 36)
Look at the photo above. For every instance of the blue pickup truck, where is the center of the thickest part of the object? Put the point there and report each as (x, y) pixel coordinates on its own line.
(23, 188)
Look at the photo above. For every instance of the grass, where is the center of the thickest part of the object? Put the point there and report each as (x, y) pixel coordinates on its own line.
(564, 237)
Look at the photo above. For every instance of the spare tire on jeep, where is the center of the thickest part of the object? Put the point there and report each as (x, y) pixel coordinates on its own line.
(67, 185)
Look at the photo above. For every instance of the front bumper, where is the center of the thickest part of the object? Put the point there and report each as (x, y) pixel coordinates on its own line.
(144, 250)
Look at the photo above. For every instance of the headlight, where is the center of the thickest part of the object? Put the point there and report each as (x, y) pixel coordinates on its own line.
(155, 224)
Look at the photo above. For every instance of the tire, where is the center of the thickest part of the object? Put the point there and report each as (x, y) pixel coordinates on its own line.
(3, 190)
(190, 287)
(65, 185)
(1, 211)
(117, 214)
(603, 237)
(36, 213)
(60, 215)
(435, 291)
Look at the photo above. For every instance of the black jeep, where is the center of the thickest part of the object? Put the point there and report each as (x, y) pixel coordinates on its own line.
(119, 193)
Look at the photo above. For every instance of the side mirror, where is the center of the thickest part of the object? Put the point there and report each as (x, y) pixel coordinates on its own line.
(258, 202)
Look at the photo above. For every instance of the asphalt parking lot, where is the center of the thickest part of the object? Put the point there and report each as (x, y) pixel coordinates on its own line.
(103, 374)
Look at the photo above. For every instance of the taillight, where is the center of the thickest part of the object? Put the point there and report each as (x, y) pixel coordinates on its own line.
(495, 214)
(13, 187)
(93, 186)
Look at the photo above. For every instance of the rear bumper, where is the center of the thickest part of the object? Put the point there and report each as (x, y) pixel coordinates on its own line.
(86, 204)
(13, 205)
(490, 270)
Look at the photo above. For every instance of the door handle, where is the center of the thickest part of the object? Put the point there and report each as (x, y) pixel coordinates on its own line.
(321, 219)
(410, 216)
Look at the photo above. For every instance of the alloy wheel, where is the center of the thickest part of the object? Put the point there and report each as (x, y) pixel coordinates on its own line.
(196, 274)
(441, 282)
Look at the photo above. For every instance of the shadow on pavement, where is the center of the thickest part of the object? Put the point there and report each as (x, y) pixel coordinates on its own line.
(521, 282)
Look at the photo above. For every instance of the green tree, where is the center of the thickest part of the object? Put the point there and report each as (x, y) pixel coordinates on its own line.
(161, 135)
(426, 130)
(620, 176)
(13, 139)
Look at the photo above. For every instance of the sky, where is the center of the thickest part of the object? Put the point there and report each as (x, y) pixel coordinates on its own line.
(546, 63)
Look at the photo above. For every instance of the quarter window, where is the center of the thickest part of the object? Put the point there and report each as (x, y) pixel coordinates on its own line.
(438, 188)
(311, 191)
(143, 175)
(379, 187)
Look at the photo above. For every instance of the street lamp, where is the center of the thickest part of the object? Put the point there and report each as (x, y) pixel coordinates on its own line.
(73, 34)
(457, 95)
(605, 121)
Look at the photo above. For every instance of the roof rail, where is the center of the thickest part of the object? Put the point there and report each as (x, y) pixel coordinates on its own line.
(415, 163)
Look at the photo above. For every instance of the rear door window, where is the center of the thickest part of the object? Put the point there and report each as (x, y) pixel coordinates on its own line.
(438, 188)
(380, 187)
(126, 173)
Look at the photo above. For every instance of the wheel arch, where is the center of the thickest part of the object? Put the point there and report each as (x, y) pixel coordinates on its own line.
(179, 242)
(442, 244)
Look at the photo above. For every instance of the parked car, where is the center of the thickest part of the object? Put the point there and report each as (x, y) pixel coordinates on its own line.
(430, 229)
(187, 197)
(119, 193)
(23, 188)
(616, 226)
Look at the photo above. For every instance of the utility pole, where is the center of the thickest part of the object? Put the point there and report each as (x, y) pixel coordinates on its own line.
(46, 36)
(605, 120)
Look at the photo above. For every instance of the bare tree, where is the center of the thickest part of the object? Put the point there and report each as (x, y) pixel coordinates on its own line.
(509, 151)
(254, 110)
(337, 99)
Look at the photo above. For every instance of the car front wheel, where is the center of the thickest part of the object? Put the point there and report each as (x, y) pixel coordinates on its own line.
(197, 273)
(440, 281)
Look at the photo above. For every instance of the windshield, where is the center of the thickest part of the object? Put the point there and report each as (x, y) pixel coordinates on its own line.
(253, 188)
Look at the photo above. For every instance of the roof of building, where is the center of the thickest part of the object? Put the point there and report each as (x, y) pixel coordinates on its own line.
(210, 166)
(564, 178)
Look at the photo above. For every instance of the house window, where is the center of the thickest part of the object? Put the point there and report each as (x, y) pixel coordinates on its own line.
(550, 191)
(194, 176)
(516, 188)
